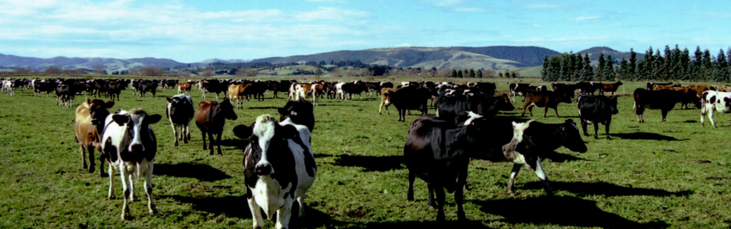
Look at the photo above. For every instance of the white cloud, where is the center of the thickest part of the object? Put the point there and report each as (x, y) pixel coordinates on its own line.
(586, 18)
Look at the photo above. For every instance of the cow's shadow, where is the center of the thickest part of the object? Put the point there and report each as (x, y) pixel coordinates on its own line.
(645, 136)
(202, 172)
(235, 142)
(574, 212)
(370, 163)
(427, 224)
(262, 108)
(603, 188)
(238, 207)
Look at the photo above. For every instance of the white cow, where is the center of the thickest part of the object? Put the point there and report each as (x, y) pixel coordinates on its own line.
(130, 146)
(712, 101)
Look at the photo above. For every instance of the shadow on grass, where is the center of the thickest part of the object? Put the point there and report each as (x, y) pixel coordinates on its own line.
(561, 157)
(427, 224)
(370, 163)
(603, 188)
(234, 142)
(553, 156)
(263, 108)
(202, 172)
(237, 206)
(572, 212)
(645, 136)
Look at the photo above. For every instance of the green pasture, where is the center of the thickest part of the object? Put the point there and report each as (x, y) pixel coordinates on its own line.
(651, 175)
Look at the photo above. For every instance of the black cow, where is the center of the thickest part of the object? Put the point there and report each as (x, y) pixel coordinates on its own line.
(180, 111)
(533, 140)
(409, 98)
(454, 109)
(664, 100)
(300, 112)
(147, 85)
(439, 156)
(596, 109)
(587, 87)
(213, 86)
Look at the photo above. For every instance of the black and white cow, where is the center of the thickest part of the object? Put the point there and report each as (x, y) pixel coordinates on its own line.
(596, 109)
(714, 101)
(533, 140)
(180, 111)
(279, 168)
(300, 112)
(129, 144)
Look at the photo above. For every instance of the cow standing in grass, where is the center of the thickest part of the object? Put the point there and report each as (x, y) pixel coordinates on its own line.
(88, 128)
(180, 112)
(210, 118)
(130, 146)
(714, 101)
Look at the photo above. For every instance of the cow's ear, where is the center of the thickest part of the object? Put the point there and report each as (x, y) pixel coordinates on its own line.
(88, 101)
(120, 119)
(281, 110)
(242, 131)
(152, 119)
(169, 100)
(109, 104)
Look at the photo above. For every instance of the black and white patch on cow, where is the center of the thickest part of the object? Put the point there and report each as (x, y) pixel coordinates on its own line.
(713, 101)
(180, 112)
(130, 146)
(279, 168)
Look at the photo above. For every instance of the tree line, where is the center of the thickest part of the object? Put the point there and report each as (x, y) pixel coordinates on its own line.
(670, 65)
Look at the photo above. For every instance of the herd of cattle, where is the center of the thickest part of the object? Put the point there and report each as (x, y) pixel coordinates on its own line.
(279, 165)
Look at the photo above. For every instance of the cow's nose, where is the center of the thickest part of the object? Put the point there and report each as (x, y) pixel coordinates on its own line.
(263, 169)
(137, 148)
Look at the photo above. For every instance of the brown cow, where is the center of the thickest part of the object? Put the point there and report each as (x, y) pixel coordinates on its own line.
(545, 99)
(90, 116)
(699, 89)
(610, 87)
(184, 88)
(303, 90)
(385, 99)
(689, 96)
(237, 92)
(211, 117)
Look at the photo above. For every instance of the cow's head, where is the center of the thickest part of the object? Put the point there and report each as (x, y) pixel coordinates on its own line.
(300, 112)
(572, 139)
(180, 100)
(226, 108)
(612, 102)
(268, 144)
(98, 110)
(503, 103)
(137, 123)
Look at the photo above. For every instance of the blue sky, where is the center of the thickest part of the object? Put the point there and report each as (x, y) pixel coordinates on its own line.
(192, 31)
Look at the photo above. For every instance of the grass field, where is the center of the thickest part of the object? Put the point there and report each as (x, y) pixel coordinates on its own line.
(651, 175)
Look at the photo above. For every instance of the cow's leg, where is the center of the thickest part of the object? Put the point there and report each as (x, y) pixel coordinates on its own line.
(218, 143)
(583, 127)
(536, 164)
(175, 134)
(90, 149)
(458, 199)
(82, 149)
(664, 114)
(513, 174)
(186, 133)
(710, 117)
(255, 213)
(211, 143)
(102, 158)
(554, 109)
(440, 203)
(216, 96)
(596, 130)
(126, 189)
(284, 214)
(203, 134)
(111, 182)
(410, 192)
(430, 199)
(703, 113)
(301, 203)
(545, 111)
(606, 128)
(148, 188)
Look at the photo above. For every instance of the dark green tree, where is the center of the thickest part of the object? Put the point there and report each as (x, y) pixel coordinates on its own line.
(578, 67)
(479, 73)
(472, 73)
(587, 72)
(608, 72)
(707, 65)
(544, 69)
(623, 73)
(632, 65)
(454, 73)
(599, 73)
(721, 72)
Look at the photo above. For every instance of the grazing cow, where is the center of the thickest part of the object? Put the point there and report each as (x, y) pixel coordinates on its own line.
(714, 101)
(664, 100)
(300, 112)
(596, 109)
(184, 88)
(532, 140)
(180, 111)
(88, 128)
(409, 98)
(545, 99)
(587, 87)
(236, 93)
(279, 168)
(211, 117)
(439, 156)
(517, 89)
(130, 146)
(213, 86)
(610, 87)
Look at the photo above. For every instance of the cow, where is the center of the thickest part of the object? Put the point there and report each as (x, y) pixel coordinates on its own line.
(651, 85)
(211, 117)
(129, 144)
(532, 140)
(610, 87)
(409, 98)
(587, 87)
(385, 99)
(545, 99)
(713, 101)
(180, 112)
(88, 128)
(303, 90)
(701, 88)
(300, 112)
(212, 86)
(147, 85)
(279, 168)
(184, 88)
(664, 100)
(8, 87)
(440, 156)
(256, 90)
(596, 109)
(350, 88)
(454, 109)
(236, 93)
(517, 89)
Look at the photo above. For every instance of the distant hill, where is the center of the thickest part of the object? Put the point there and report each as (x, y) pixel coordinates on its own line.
(492, 57)
(110, 64)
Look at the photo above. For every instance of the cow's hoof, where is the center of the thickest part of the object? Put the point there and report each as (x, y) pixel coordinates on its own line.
(102, 175)
(111, 197)
(176, 144)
